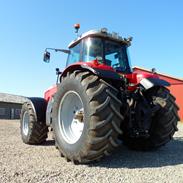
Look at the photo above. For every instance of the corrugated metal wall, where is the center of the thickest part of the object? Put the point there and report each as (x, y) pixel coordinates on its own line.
(176, 89)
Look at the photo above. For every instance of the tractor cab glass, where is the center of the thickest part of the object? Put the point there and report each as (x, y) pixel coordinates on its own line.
(107, 52)
(92, 50)
(116, 56)
(74, 54)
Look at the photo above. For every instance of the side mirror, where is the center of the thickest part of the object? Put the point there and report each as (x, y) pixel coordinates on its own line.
(46, 57)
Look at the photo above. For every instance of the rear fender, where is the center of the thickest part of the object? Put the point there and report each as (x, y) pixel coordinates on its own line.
(148, 83)
(99, 70)
(39, 106)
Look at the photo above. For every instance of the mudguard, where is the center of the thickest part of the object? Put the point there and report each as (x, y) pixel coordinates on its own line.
(103, 73)
(39, 106)
(148, 83)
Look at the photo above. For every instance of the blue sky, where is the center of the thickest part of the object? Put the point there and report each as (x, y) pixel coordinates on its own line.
(28, 27)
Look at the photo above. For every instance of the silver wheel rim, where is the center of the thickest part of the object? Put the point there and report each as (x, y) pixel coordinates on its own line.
(26, 123)
(71, 117)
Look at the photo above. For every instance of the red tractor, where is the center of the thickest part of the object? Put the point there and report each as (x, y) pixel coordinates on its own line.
(99, 102)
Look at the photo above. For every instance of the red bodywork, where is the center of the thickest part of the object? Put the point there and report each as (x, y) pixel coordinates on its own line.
(133, 78)
(93, 64)
(50, 92)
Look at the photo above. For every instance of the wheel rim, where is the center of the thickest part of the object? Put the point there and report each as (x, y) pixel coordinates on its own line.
(26, 123)
(71, 116)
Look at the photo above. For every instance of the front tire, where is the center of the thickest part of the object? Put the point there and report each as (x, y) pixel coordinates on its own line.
(86, 99)
(164, 122)
(33, 131)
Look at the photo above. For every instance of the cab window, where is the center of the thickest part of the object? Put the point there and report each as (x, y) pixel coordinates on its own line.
(74, 55)
(116, 56)
(92, 49)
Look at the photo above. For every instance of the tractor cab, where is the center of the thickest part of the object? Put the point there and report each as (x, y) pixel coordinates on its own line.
(105, 48)
(97, 49)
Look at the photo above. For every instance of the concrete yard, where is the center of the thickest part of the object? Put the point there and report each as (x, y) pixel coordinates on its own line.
(23, 163)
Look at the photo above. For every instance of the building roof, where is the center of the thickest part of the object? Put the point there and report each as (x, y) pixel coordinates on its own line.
(161, 74)
(9, 98)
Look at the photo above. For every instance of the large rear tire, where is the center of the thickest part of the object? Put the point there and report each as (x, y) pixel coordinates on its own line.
(86, 117)
(164, 122)
(33, 129)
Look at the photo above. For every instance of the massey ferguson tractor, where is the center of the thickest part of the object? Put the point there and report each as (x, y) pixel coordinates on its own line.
(99, 102)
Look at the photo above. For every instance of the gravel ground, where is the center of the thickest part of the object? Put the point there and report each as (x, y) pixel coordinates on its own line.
(24, 163)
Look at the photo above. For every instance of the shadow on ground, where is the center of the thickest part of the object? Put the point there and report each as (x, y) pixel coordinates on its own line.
(48, 143)
(169, 155)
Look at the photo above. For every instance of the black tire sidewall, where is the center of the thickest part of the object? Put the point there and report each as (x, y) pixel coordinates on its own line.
(25, 138)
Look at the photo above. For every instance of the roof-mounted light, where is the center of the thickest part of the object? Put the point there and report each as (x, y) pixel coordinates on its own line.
(115, 35)
(104, 30)
(129, 40)
(77, 27)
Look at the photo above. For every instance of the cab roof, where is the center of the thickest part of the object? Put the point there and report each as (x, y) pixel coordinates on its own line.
(101, 33)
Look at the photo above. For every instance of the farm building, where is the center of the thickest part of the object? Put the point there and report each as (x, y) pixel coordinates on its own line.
(176, 87)
(10, 106)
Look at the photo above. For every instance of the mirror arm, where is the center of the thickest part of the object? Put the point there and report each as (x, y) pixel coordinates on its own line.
(46, 57)
(60, 50)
